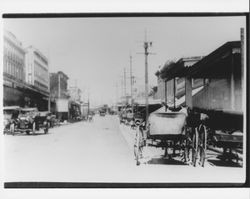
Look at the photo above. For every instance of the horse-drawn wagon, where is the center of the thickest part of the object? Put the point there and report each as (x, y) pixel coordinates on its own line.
(166, 130)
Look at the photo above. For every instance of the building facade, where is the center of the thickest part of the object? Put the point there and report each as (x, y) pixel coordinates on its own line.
(171, 88)
(59, 96)
(75, 93)
(37, 69)
(59, 85)
(75, 102)
(13, 70)
(22, 79)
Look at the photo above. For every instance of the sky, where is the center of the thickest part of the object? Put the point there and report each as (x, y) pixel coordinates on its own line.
(93, 52)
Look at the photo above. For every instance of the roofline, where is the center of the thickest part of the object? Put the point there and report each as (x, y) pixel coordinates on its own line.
(208, 58)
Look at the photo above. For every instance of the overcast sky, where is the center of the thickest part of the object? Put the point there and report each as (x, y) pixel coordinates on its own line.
(94, 51)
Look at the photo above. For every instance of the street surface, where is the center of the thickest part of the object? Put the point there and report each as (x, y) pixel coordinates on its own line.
(100, 151)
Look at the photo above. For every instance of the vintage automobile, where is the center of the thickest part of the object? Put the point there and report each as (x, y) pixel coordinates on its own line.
(10, 113)
(102, 112)
(30, 120)
(52, 121)
(127, 116)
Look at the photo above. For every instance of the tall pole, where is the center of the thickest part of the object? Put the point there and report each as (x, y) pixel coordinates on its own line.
(131, 83)
(122, 89)
(146, 78)
(59, 86)
(116, 92)
(88, 103)
(147, 44)
(125, 84)
(49, 100)
(174, 92)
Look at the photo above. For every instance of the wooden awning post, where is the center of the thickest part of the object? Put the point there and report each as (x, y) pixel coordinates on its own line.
(232, 84)
(242, 57)
(166, 94)
(174, 92)
(188, 92)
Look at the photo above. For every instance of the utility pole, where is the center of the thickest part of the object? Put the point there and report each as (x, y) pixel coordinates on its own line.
(116, 92)
(122, 87)
(59, 86)
(147, 44)
(88, 102)
(131, 83)
(49, 99)
(125, 83)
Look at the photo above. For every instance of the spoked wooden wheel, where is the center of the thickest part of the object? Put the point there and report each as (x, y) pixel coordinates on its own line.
(195, 146)
(202, 144)
(138, 145)
(188, 148)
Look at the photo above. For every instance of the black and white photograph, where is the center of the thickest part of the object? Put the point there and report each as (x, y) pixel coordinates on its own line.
(116, 100)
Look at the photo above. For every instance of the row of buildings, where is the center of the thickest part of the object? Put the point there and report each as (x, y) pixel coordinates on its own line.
(27, 81)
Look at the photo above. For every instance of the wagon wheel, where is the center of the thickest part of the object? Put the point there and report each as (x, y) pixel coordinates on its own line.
(138, 145)
(188, 146)
(34, 128)
(46, 129)
(195, 143)
(202, 144)
(12, 128)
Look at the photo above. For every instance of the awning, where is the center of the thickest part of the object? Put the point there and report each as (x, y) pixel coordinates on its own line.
(218, 64)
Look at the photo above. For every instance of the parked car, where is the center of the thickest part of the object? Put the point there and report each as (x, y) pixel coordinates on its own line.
(30, 120)
(52, 120)
(10, 114)
(102, 112)
(44, 120)
(126, 115)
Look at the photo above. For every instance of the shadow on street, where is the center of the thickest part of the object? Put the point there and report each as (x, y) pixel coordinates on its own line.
(24, 134)
(167, 161)
(222, 163)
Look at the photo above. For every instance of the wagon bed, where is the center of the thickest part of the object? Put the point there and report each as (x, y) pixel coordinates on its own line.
(166, 125)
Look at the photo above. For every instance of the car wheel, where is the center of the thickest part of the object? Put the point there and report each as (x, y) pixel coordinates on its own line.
(12, 129)
(46, 130)
(34, 128)
(27, 132)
